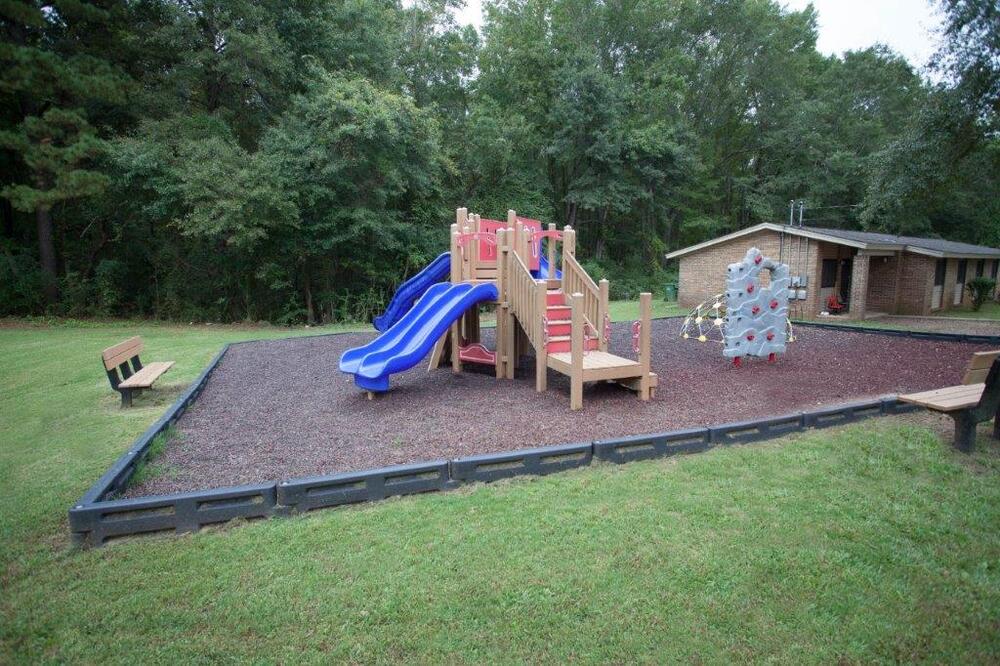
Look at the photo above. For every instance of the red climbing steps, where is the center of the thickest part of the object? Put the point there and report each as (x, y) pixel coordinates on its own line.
(559, 325)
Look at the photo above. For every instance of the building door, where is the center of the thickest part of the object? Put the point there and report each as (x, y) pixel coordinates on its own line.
(963, 266)
(846, 271)
(936, 295)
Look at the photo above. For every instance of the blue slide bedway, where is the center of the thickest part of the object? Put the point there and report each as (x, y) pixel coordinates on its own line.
(409, 339)
(408, 292)
(544, 272)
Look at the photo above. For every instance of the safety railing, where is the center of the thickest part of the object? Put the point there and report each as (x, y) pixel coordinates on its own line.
(593, 301)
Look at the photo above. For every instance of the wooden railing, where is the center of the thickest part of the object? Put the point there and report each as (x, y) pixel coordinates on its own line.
(594, 297)
(522, 292)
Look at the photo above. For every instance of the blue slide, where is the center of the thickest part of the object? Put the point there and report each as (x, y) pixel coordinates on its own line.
(409, 339)
(408, 292)
(543, 272)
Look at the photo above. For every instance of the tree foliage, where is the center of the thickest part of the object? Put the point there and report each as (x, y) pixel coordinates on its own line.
(293, 160)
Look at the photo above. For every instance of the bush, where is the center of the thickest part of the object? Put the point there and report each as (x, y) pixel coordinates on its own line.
(981, 289)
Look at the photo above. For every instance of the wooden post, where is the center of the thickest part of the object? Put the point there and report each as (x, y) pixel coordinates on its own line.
(569, 248)
(552, 251)
(456, 278)
(602, 312)
(541, 353)
(501, 307)
(576, 354)
(512, 224)
(645, 316)
(456, 256)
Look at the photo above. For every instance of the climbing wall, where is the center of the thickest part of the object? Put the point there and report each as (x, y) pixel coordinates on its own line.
(756, 322)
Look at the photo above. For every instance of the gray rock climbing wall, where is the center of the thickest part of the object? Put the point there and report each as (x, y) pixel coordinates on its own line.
(756, 322)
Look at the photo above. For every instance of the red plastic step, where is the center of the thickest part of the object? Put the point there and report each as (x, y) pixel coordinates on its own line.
(559, 344)
(555, 297)
(559, 313)
(560, 328)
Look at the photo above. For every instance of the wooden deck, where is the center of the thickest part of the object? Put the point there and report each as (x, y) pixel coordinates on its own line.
(597, 365)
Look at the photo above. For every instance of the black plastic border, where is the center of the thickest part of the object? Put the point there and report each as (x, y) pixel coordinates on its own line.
(95, 518)
(93, 522)
(903, 333)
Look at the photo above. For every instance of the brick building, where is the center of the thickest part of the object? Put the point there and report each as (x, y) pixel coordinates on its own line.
(868, 272)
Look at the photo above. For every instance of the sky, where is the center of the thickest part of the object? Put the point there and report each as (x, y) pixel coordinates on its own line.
(905, 25)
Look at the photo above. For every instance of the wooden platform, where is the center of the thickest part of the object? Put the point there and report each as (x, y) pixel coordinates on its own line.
(597, 365)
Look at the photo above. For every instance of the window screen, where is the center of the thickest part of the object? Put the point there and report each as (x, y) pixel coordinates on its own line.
(963, 265)
(996, 265)
(980, 267)
(829, 277)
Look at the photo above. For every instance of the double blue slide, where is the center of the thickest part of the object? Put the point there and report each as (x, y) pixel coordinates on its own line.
(408, 292)
(413, 335)
(419, 313)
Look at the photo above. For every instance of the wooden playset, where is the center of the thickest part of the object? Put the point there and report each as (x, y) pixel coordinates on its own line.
(559, 315)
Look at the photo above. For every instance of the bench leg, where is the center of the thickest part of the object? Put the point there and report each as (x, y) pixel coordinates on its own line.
(126, 397)
(965, 431)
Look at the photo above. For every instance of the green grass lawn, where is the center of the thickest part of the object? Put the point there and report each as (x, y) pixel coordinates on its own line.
(868, 543)
(989, 311)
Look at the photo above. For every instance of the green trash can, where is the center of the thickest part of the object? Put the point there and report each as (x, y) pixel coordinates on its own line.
(671, 292)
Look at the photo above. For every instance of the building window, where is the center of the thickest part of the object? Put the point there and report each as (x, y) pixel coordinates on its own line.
(996, 265)
(963, 266)
(939, 267)
(980, 267)
(829, 277)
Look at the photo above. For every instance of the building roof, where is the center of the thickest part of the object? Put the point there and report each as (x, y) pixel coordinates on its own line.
(862, 240)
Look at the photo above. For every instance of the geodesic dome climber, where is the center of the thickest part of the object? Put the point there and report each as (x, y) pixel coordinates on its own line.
(756, 321)
(749, 319)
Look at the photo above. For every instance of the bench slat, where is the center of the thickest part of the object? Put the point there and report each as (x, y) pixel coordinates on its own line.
(984, 359)
(121, 352)
(947, 399)
(975, 376)
(145, 377)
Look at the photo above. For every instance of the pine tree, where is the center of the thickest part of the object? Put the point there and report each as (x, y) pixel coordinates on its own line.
(53, 75)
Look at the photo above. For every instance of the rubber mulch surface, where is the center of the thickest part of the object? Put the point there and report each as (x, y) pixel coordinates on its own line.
(280, 409)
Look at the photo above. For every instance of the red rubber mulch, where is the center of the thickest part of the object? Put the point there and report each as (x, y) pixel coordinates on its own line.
(280, 409)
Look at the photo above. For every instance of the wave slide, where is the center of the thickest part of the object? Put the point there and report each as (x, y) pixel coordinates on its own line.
(544, 272)
(409, 339)
(408, 292)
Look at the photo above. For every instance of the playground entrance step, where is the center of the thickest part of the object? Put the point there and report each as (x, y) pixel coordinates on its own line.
(564, 343)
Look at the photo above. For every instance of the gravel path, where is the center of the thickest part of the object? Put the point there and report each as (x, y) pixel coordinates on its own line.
(280, 409)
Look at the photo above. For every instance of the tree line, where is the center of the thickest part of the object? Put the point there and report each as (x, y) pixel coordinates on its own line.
(293, 160)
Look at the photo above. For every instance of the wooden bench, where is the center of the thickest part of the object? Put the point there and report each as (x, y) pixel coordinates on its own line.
(124, 358)
(975, 401)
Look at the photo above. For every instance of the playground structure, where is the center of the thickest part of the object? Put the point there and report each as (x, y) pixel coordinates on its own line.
(749, 319)
(559, 315)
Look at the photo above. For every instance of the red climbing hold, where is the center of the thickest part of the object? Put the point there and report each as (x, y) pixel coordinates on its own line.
(771, 358)
(774, 304)
(750, 337)
(758, 259)
(737, 361)
(770, 336)
(755, 309)
(750, 288)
